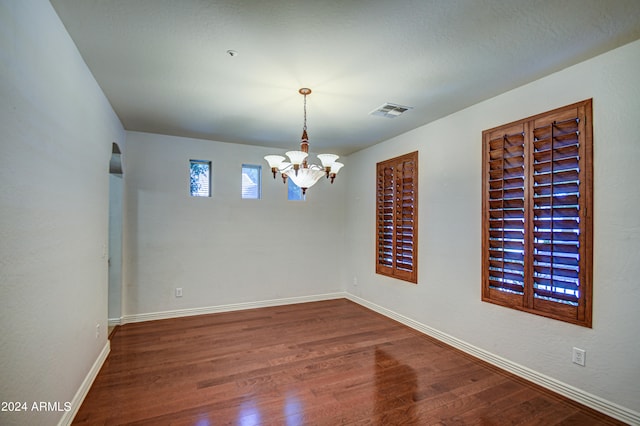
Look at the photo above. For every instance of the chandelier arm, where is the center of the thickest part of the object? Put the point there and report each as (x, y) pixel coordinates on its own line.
(286, 168)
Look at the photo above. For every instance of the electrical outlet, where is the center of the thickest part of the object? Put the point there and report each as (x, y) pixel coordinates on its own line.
(178, 291)
(579, 356)
(355, 281)
(97, 331)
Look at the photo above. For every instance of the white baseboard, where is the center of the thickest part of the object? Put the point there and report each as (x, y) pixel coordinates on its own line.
(76, 402)
(606, 407)
(230, 307)
(111, 322)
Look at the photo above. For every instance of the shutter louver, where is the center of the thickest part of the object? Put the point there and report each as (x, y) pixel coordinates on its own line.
(397, 195)
(556, 211)
(506, 213)
(385, 216)
(404, 217)
(537, 243)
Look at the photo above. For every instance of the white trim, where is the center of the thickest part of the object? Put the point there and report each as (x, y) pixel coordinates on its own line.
(111, 322)
(230, 307)
(78, 398)
(607, 407)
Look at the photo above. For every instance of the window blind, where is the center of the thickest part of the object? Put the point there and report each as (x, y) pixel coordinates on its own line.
(397, 217)
(537, 197)
(506, 239)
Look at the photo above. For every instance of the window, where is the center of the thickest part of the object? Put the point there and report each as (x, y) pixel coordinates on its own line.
(200, 178)
(537, 224)
(294, 192)
(397, 217)
(251, 182)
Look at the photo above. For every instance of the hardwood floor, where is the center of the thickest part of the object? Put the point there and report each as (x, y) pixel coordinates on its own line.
(325, 363)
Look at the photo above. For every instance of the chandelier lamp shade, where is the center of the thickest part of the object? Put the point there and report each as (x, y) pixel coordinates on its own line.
(298, 169)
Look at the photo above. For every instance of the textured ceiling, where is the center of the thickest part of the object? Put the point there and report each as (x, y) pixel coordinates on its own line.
(163, 63)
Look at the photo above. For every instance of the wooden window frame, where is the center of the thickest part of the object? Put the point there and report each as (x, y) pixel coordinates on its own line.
(397, 217)
(542, 160)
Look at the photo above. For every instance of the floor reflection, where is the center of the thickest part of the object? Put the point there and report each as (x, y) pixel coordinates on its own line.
(203, 422)
(249, 414)
(293, 410)
(396, 384)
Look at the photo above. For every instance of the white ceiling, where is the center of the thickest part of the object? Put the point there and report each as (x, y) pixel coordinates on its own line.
(163, 63)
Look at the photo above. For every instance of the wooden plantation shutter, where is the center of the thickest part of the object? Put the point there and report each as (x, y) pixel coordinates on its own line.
(506, 213)
(537, 225)
(386, 218)
(397, 217)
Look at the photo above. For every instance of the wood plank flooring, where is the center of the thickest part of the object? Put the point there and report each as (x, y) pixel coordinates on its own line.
(325, 363)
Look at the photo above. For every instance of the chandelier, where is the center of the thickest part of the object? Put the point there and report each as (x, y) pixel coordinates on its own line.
(297, 169)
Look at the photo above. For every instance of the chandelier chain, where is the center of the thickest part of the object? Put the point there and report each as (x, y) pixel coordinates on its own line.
(304, 127)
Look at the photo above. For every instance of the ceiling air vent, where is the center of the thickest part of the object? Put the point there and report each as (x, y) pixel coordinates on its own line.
(390, 110)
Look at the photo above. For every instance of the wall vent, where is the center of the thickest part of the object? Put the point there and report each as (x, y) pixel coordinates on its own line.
(390, 110)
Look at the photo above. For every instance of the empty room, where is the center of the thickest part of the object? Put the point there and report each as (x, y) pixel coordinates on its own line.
(319, 212)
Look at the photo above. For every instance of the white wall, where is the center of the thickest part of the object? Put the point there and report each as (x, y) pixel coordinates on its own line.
(116, 186)
(447, 297)
(56, 133)
(222, 250)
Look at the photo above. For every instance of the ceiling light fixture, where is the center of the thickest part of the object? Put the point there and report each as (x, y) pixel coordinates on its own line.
(302, 173)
